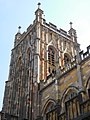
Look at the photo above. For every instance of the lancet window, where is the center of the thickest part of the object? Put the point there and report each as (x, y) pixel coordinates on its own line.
(51, 59)
(66, 60)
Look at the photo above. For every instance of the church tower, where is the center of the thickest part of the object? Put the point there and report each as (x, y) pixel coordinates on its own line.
(40, 52)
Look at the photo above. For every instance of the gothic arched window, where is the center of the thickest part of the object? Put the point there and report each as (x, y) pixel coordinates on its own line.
(51, 59)
(66, 60)
(72, 105)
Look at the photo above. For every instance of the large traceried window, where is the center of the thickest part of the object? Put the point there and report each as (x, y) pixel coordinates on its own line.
(72, 105)
(51, 59)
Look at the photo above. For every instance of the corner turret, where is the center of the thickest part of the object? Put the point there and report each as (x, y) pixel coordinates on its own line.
(39, 14)
(17, 36)
(72, 33)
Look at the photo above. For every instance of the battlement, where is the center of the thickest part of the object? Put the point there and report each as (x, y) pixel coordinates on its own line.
(84, 55)
(54, 28)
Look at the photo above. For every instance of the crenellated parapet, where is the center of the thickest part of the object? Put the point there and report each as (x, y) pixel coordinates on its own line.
(56, 30)
(84, 55)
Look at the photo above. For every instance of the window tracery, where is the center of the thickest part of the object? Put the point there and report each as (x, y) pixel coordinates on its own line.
(70, 103)
(70, 95)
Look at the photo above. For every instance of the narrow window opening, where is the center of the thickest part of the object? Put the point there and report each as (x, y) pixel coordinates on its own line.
(51, 60)
(66, 60)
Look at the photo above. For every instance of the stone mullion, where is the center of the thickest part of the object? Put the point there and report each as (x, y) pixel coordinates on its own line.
(72, 112)
(74, 108)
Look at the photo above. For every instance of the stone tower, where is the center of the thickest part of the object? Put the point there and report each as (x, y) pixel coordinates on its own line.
(43, 50)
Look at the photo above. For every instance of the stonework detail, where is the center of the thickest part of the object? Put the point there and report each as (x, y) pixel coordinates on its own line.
(47, 69)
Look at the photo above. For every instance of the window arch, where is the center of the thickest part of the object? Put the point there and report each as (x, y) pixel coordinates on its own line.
(70, 103)
(69, 93)
(67, 59)
(48, 106)
(51, 59)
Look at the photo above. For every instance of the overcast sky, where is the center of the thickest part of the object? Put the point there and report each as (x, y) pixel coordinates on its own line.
(14, 13)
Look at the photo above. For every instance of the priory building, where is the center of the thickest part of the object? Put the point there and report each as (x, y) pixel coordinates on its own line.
(49, 75)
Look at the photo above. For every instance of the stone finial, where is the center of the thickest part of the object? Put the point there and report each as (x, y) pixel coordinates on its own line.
(71, 25)
(19, 29)
(39, 5)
